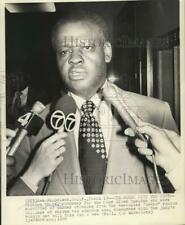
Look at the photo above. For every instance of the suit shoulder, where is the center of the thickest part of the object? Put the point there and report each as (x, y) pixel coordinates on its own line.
(149, 109)
(145, 99)
(141, 100)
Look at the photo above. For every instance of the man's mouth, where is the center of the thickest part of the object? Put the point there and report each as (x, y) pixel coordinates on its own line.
(76, 74)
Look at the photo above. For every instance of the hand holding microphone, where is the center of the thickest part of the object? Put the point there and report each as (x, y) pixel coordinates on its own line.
(48, 156)
(14, 138)
(165, 144)
(113, 96)
(50, 153)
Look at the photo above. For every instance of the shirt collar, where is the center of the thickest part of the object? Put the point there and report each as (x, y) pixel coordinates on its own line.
(96, 99)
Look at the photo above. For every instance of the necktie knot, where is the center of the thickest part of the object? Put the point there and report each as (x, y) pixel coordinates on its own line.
(88, 107)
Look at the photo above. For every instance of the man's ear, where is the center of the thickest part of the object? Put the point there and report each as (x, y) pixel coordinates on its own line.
(108, 51)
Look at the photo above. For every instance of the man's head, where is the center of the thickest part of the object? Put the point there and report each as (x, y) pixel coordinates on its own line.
(82, 50)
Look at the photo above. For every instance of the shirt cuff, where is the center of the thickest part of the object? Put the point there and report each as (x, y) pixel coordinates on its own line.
(29, 184)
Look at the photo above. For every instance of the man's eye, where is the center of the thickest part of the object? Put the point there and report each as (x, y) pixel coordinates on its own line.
(88, 48)
(64, 52)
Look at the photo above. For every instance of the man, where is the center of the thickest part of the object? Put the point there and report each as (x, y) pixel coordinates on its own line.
(95, 158)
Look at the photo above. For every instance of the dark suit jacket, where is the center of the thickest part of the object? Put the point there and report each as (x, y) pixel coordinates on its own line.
(127, 172)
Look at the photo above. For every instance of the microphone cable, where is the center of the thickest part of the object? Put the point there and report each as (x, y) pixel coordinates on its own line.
(144, 138)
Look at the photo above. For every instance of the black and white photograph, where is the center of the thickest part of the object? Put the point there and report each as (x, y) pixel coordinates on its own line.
(86, 86)
(93, 98)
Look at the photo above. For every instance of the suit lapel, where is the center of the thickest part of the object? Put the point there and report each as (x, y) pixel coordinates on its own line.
(113, 163)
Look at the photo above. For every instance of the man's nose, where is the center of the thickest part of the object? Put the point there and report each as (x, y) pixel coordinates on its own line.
(76, 57)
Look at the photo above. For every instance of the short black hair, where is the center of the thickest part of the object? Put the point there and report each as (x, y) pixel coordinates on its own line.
(87, 16)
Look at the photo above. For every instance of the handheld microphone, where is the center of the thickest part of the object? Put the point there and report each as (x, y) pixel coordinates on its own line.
(113, 96)
(63, 116)
(30, 123)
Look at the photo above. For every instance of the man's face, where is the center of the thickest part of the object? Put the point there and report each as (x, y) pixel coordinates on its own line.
(82, 57)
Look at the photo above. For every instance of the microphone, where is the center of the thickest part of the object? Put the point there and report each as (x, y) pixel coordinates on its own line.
(64, 114)
(30, 123)
(112, 95)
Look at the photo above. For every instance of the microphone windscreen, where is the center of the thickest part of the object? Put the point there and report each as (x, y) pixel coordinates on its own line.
(113, 96)
(66, 104)
(34, 126)
(37, 107)
(24, 120)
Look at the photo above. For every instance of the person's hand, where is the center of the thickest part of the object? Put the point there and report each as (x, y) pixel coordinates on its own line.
(47, 157)
(165, 145)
